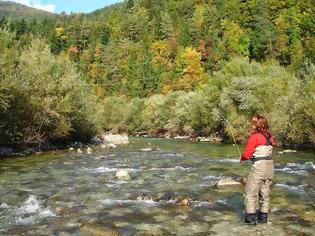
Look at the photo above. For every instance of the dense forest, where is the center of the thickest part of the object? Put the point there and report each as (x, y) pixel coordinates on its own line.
(189, 67)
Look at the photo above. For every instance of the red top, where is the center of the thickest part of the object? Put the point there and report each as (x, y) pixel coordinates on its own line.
(256, 139)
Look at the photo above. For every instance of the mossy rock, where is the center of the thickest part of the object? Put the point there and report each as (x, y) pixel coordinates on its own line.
(98, 230)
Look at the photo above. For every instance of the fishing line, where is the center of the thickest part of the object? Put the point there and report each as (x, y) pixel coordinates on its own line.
(233, 136)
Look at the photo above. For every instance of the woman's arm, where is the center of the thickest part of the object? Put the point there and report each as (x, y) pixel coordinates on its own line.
(249, 149)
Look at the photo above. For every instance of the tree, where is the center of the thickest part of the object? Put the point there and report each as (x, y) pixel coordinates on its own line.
(59, 40)
(189, 69)
(166, 28)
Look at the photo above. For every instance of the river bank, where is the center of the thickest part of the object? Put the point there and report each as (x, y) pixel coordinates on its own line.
(98, 140)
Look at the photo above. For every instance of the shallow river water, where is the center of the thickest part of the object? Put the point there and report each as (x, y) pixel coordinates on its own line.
(66, 193)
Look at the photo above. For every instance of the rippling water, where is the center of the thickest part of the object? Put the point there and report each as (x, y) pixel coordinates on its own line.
(67, 193)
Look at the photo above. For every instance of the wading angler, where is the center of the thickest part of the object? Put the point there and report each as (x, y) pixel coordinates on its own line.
(259, 179)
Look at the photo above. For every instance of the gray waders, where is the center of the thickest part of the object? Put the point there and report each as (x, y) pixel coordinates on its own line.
(258, 182)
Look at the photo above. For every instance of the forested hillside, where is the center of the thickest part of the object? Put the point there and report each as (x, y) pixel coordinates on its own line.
(181, 67)
(19, 11)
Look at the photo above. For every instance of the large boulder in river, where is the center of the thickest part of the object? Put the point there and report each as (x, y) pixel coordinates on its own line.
(228, 183)
(117, 139)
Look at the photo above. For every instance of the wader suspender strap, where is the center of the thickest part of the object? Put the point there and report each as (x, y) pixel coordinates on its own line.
(268, 142)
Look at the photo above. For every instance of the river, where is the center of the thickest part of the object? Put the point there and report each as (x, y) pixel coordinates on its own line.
(65, 193)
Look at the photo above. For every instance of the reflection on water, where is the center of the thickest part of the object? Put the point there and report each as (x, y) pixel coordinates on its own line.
(77, 194)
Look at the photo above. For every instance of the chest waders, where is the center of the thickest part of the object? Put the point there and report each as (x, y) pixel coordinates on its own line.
(258, 182)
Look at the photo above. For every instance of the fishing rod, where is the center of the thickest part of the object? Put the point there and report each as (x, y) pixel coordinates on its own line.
(233, 136)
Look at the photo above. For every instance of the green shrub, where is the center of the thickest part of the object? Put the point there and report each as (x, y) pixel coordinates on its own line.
(45, 101)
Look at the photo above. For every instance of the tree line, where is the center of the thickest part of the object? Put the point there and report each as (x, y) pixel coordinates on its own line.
(190, 67)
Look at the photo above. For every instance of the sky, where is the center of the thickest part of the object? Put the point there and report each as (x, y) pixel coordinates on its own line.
(68, 6)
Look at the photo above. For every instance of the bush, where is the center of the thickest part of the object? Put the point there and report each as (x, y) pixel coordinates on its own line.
(46, 99)
(251, 88)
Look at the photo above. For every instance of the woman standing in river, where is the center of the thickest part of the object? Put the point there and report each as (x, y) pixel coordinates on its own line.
(258, 149)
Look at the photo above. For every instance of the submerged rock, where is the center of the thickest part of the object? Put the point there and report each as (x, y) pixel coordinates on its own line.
(228, 183)
(156, 198)
(149, 229)
(108, 145)
(99, 230)
(100, 158)
(165, 197)
(122, 174)
(73, 224)
(183, 201)
(61, 210)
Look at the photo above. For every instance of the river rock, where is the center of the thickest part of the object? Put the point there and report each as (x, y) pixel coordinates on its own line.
(289, 151)
(213, 139)
(99, 230)
(111, 145)
(146, 149)
(108, 145)
(181, 137)
(89, 150)
(61, 210)
(78, 144)
(96, 140)
(228, 183)
(147, 198)
(165, 196)
(149, 229)
(98, 158)
(6, 151)
(117, 139)
(71, 149)
(309, 166)
(122, 174)
(73, 224)
(79, 151)
(183, 201)
(203, 139)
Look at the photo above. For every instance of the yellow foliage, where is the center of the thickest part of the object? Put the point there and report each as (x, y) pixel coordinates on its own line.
(161, 53)
(60, 31)
(235, 39)
(189, 66)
